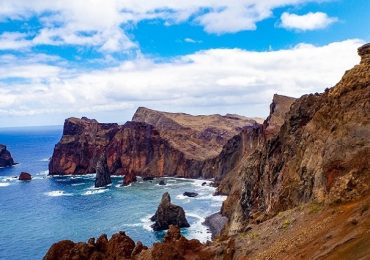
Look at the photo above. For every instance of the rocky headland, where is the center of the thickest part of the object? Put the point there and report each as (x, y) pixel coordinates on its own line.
(298, 184)
(154, 144)
(6, 159)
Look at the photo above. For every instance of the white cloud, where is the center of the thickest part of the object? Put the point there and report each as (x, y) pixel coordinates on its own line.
(14, 41)
(191, 40)
(306, 22)
(216, 80)
(101, 23)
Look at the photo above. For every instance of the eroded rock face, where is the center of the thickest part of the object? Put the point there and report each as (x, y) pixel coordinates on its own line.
(320, 153)
(6, 159)
(168, 214)
(102, 173)
(83, 141)
(120, 246)
(141, 149)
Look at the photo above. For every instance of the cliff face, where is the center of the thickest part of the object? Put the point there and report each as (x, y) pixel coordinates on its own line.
(321, 152)
(6, 159)
(197, 137)
(159, 147)
(82, 143)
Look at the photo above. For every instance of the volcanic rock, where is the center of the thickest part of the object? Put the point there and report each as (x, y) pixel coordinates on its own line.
(168, 214)
(25, 176)
(162, 182)
(102, 173)
(6, 159)
(190, 194)
(148, 178)
(320, 153)
(120, 246)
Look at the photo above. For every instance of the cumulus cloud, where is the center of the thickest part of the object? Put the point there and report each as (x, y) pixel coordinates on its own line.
(306, 22)
(104, 24)
(216, 80)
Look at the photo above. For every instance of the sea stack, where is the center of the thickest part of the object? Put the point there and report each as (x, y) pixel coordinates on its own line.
(6, 159)
(168, 214)
(102, 173)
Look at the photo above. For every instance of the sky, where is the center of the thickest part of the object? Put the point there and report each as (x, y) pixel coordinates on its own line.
(104, 58)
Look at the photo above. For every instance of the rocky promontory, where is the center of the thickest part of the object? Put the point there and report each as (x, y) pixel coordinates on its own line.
(154, 144)
(6, 159)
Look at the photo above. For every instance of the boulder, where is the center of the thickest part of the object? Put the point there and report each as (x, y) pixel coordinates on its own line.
(6, 159)
(162, 182)
(25, 176)
(190, 194)
(168, 214)
(102, 173)
(148, 178)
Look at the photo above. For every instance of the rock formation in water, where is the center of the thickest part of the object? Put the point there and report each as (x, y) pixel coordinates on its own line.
(190, 194)
(175, 145)
(6, 159)
(102, 178)
(168, 214)
(25, 176)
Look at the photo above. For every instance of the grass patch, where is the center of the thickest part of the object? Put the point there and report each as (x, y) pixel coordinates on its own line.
(314, 207)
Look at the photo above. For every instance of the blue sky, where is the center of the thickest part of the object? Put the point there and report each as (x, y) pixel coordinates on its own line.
(103, 59)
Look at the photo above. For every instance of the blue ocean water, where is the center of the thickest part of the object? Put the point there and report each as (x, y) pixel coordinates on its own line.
(35, 214)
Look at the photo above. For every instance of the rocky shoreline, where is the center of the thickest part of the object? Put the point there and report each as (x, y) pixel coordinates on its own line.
(215, 222)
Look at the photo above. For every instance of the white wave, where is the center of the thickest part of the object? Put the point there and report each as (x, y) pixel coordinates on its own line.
(77, 184)
(133, 225)
(57, 193)
(218, 198)
(197, 230)
(4, 184)
(44, 160)
(43, 173)
(146, 222)
(92, 192)
(184, 199)
(122, 186)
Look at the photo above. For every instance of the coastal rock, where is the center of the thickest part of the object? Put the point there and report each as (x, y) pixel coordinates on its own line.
(148, 178)
(6, 159)
(190, 194)
(216, 223)
(120, 246)
(25, 176)
(154, 144)
(168, 214)
(102, 173)
(161, 182)
(319, 154)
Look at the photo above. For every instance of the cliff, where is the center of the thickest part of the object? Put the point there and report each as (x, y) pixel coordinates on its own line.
(319, 154)
(168, 145)
(6, 159)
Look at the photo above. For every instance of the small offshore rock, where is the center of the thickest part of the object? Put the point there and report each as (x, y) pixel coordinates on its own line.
(190, 194)
(25, 176)
(162, 182)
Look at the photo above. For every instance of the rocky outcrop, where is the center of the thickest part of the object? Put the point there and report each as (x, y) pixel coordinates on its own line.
(6, 159)
(102, 178)
(83, 141)
(25, 176)
(174, 146)
(120, 246)
(168, 214)
(319, 154)
(216, 223)
(190, 194)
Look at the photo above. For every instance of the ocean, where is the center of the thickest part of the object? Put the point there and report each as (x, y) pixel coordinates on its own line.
(36, 214)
